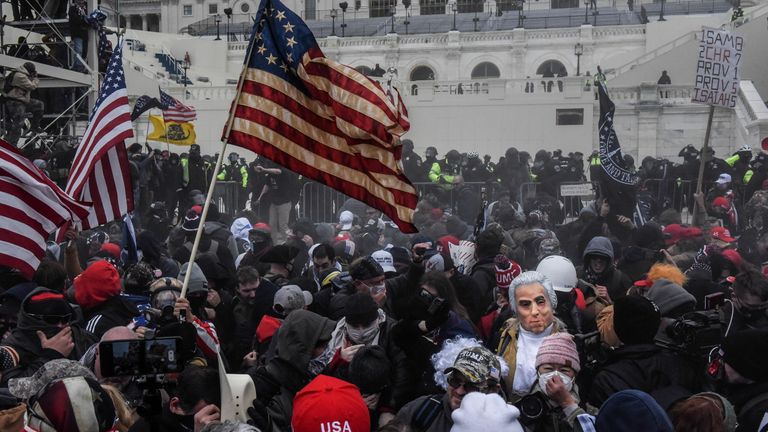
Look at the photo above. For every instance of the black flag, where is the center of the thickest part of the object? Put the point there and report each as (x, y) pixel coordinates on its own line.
(617, 182)
(144, 104)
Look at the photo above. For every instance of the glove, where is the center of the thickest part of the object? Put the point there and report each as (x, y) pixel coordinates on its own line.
(259, 417)
(438, 318)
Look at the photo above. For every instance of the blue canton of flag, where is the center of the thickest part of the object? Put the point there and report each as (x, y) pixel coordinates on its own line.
(174, 110)
(114, 79)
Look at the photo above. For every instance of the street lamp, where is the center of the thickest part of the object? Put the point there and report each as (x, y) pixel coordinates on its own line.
(218, 21)
(228, 13)
(334, 13)
(520, 17)
(343, 5)
(595, 13)
(475, 19)
(407, 4)
(586, 11)
(454, 9)
(185, 65)
(578, 49)
(661, 14)
(393, 10)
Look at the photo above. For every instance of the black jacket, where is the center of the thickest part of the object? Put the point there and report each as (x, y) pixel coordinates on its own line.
(484, 274)
(114, 312)
(645, 367)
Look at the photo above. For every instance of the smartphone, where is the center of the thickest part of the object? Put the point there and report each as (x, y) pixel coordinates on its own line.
(140, 357)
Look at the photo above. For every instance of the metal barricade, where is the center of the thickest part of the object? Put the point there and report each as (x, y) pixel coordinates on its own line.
(225, 197)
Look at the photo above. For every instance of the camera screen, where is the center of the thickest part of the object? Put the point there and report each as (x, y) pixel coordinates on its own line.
(126, 357)
(160, 356)
(140, 357)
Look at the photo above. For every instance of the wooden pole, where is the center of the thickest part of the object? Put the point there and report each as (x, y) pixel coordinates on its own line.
(704, 156)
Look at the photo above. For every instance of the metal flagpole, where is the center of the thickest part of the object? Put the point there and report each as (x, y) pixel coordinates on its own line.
(230, 121)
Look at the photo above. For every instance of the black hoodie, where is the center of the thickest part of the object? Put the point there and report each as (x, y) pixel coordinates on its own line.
(25, 341)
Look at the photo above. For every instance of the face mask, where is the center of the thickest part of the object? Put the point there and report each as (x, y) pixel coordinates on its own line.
(364, 335)
(545, 377)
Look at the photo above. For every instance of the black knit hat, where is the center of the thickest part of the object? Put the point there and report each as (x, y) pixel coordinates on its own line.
(370, 369)
(746, 351)
(635, 319)
(360, 309)
(364, 269)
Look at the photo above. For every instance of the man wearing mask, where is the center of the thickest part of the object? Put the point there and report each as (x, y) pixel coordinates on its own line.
(301, 342)
(172, 182)
(193, 173)
(365, 324)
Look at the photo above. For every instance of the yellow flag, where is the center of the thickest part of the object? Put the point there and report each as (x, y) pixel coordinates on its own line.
(171, 132)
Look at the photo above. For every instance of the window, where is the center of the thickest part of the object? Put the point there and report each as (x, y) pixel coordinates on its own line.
(365, 70)
(213, 9)
(380, 8)
(187, 10)
(485, 70)
(467, 6)
(551, 69)
(245, 7)
(422, 73)
(432, 7)
(569, 116)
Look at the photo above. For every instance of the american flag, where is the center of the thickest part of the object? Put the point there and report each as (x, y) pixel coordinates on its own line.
(31, 208)
(321, 119)
(174, 110)
(100, 172)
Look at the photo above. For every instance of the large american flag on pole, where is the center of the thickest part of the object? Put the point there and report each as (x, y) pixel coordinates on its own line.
(318, 118)
(31, 208)
(100, 172)
(174, 110)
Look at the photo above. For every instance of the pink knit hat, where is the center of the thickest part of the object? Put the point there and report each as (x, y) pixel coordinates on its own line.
(559, 349)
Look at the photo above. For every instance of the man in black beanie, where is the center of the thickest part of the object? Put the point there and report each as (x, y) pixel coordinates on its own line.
(370, 371)
(743, 369)
(638, 363)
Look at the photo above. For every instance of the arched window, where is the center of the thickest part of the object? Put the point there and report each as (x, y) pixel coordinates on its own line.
(551, 68)
(365, 70)
(485, 70)
(422, 73)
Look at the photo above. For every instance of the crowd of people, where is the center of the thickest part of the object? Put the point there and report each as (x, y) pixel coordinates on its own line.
(515, 320)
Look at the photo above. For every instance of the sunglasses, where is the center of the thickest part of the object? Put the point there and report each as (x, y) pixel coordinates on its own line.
(456, 381)
(54, 319)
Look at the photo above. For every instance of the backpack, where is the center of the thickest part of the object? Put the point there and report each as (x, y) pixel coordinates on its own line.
(8, 84)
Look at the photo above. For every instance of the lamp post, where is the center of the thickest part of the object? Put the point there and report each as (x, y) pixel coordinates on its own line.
(407, 15)
(228, 13)
(218, 21)
(334, 13)
(586, 11)
(454, 9)
(393, 10)
(185, 65)
(595, 13)
(578, 49)
(661, 13)
(343, 5)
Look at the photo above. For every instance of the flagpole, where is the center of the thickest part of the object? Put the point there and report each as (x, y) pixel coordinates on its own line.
(212, 186)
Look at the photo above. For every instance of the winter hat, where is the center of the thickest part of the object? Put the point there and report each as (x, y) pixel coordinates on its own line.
(421, 238)
(360, 309)
(648, 235)
(72, 404)
(45, 302)
(197, 280)
(670, 298)
(370, 369)
(290, 298)
(560, 349)
(506, 271)
(630, 411)
(385, 259)
(745, 351)
(400, 256)
(488, 412)
(635, 319)
(112, 249)
(344, 248)
(328, 402)
(191, 221)
(25, 388)
(280, 254)
(549, 246)
(10, 301)
(345, 220)
(366, 268)
(98, 283)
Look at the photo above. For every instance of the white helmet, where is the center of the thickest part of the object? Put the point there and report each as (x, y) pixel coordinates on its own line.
(560, 271)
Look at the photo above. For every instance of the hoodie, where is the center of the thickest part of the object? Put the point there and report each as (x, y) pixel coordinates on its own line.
(617, 282)
(25, 341)
(288, 372)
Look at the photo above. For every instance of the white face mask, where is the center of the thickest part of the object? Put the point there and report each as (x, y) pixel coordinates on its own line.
(545, 377)
(363, 335)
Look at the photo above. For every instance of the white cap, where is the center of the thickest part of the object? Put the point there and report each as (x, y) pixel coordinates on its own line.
(723, 179)
(237, 394)
(560, 271)
(345, 220)
(384, 259)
